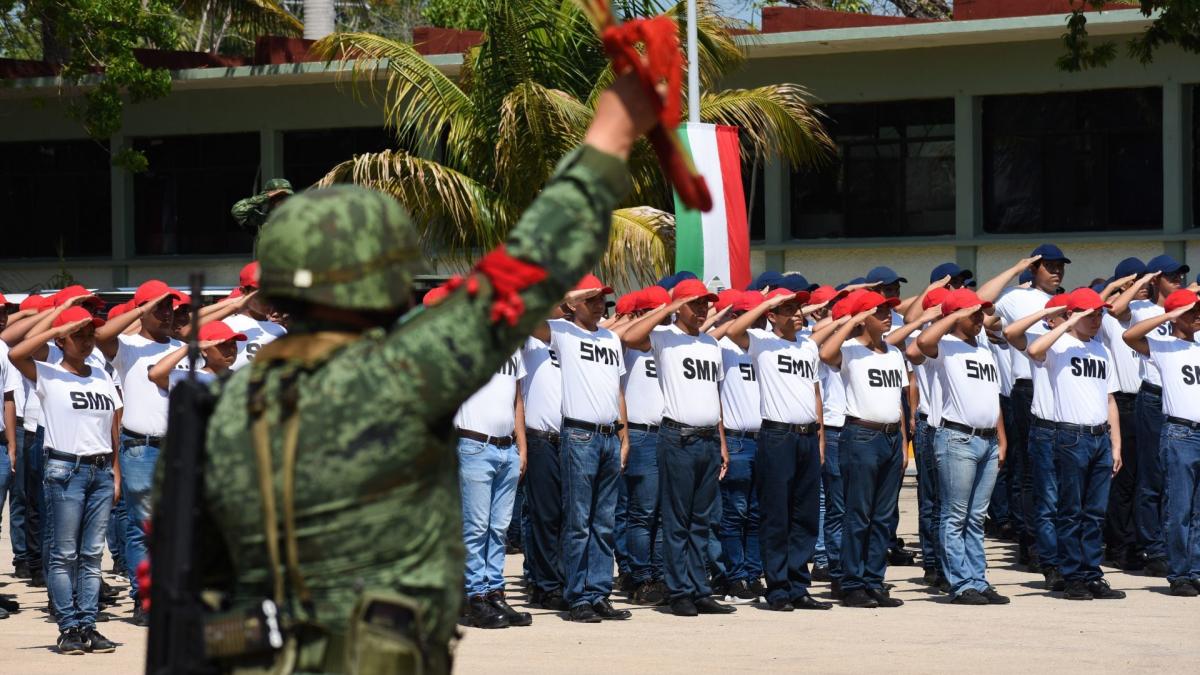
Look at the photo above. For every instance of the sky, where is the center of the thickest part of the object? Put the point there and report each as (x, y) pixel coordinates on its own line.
(738, 9)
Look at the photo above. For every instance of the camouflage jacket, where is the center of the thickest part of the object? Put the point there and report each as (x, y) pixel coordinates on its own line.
(377, 497)
(252, 212)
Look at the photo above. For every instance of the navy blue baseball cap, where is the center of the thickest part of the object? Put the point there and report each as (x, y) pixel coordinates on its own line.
(884, 275)
(1025, 278)
(668, 282)
(852, 282)
(1166, 265)
(684, 274)
(1099, 286)
(949, 269)
(1127, 267)
(1050, 252)
(796, 282)
(768, 278)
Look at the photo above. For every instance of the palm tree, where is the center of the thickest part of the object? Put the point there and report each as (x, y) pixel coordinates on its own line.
(211, 21)
(474, 152)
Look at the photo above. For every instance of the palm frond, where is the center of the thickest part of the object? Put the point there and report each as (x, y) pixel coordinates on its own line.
(249, 18)
(641, 247)
(538, 126)
(775, 119)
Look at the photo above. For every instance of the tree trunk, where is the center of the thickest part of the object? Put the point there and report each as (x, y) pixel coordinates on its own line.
(923, 9)
(318, 19)
(53, 50)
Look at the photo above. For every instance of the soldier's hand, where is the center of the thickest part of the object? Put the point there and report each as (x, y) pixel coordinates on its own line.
(623, 113)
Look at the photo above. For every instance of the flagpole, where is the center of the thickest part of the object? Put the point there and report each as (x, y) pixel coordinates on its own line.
(693, 61)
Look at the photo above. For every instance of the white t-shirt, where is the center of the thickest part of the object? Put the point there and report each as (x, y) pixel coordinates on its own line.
(787, 376)
(874, 382)
(1179, 361)
(927, 385)
(541, 387)
(1014, 305)
(492, 409)
(1128, 362)
(10, 381)
(592, 365)
(833, 396)
(78, 410)
(689, 368)
(1082, 376)
(740, 404)
(1140, 310)
(969, 382)
(32, 410)
(643, 395)
(1042, 405)
(136, 355)
(1003, 356)
(258, 334)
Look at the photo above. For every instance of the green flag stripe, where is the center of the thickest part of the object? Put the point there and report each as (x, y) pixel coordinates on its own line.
(689, 234)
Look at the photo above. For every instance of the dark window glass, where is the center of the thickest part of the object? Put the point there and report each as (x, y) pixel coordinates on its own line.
(1196, 156)
(1073, 162)
(182, 202)
(55, 197)
(892, 174)
(752, 183)
(309, 155)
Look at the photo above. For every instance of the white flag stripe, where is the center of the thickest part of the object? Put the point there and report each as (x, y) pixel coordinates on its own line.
(703, 141)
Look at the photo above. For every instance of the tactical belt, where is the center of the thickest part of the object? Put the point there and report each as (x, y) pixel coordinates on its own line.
(498, 441)
(90, 460)
(802, 429)
(1179, 421)
(885, 427)
(741, 433)
(648, 428)
(970, 431)
(1086, 429)
(142, 439)
(548, 436)
(605, 429)
(1152, 389)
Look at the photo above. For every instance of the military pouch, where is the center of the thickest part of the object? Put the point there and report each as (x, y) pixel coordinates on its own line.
(385, 636)
(243, 633)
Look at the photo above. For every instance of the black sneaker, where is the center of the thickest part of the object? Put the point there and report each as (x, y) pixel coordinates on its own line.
(943, 584)
(550, 600)
(1184, 588)
(820, 573)
(583, 614)
(969, 597)
(1054, 579)
(1156, 567)
(859, 598)
(995, 598)
(70, 642)
(649, 593)
(37, 579)
(604, 609)
(1077, 590)
(3, 613)
(482, 614)
(707, 605)
(9, 604)
(1102, 591)
(515, 618)
(756, 585)
(139, 618)
(625, 583)
(1007, 531)
(884, 598)
(1195, 582)
(108, 593)
(21, 570)
(835, 589)
(684, 607)
(930, 578)
(96, 643)
(739, 592)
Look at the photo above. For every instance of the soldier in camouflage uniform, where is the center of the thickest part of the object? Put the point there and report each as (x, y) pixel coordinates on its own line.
(252, 212)
(366, 402)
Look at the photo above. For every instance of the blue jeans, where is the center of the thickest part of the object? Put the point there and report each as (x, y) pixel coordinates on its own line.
(820, 555)
(929, 500)
(1020, 470)
(35, 505)
(1084, 465)
(1045, 494)
(118, 523)
(831, 481)
(487, 479)
(1181, 501)
(6, 479)
(787, 475)
(137, 481)
(80, 497)
(1148, 509)
(966, 466)
(543, 494)
(689, 462)
(871, 466)
(998, 508)
(739, 512)
(620, 527)
(16, 503)
(643, 536)
(591, 467)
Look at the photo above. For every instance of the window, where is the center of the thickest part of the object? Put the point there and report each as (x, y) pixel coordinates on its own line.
(752, 185)
(309, 155)
(1073, 162)
(892, 174)
(56, 199)
(1196, 155)
(182, 202)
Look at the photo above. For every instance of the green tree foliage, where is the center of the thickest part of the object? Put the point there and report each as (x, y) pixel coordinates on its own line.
(1174, 22)
(460, 14)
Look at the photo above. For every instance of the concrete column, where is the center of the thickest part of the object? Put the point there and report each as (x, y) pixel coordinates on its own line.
(121, 213)
(1177, 165)
(777, 224)
(270, 154)
(968, 177)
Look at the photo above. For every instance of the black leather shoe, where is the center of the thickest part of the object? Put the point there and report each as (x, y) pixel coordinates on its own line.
(1102, 591)
(1195, 582)
(583, 614)
(809, 602)
(780, 605)
(684, 607)
(624, 583)
(969, 597)
(995, 598)
(649, 593)
(1184, 588)
(859, 598)
(9, 604)
(515, 618)
(739, 591)
(37, 579)
(1054, 579)
(108, 593)
(140, 618)
(884, 598)
(899, 557)
(707, 605)
(820, 573)
(482, 614)
(1156, 567)
(943, 584)
(835, 589)
(1076, 590)
(21, 570)
(606, 611)
(548, 599)
(930, 578)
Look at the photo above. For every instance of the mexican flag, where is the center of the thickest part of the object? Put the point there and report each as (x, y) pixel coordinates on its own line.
(714, 245)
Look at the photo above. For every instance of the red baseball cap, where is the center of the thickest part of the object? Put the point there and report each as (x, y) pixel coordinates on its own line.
(118, 310)
(219, 331)
(435, 295)
(4, 300)
(845, 306)
(935, 297)
(151, 290)
(1060, 300)
(824, 294)
(1180, 298)
(727, 298)
(1085, 298)
(182, 300)
(73, 314)
(59, 298)
(235, 293)
(748, 300)
(799, 296)
(653, 297)
(35, 302)
(627, 303)
(961, 298)
(249, 275)
(692, 288)
(871, 300)
(590, 281)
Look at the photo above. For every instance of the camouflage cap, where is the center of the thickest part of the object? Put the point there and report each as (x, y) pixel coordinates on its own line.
(278, 184)
(343, 246)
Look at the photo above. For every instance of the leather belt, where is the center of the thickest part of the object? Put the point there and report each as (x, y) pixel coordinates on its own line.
(20, 422)
(885, 427)
(1194, 426)
(687, 429)
(1023, 383)
(741, 433)
(607, 429)
(923, 417)
(972, 431)
(648, 428)
(1090, 430)
(1124, 397)
(1152, 389)
(498, 441)
(548, 436)
(1043, 424)
(829, 427)
(802, 429)
(104, 459)
(142, 439)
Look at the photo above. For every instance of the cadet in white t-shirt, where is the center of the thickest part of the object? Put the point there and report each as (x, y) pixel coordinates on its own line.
(789, 454)
(218, 349)
(1087, 441)
(82, 474)
(692, 457)
(969, 442)
(1177, 359)
(253, 319)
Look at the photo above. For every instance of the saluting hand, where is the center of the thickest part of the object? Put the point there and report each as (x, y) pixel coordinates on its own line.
(69, 328)
(1174, 314)
(1026, 262)
(940, 283)
(1078, 316)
